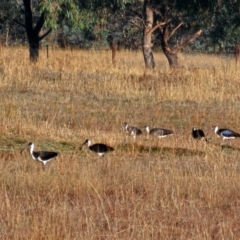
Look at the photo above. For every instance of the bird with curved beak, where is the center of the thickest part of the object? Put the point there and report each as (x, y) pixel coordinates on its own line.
(99, 148)
(41, 156)
(130, 130)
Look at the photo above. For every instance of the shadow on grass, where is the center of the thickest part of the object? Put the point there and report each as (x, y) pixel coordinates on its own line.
(229, 148)
(160, 150)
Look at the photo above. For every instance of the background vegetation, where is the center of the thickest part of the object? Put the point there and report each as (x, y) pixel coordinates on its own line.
(173, 188)
(88, 24)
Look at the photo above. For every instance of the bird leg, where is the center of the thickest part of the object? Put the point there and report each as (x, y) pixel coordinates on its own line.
(43, 167)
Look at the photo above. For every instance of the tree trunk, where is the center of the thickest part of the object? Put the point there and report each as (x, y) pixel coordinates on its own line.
(114, 50)
(34, 48)
(113, 45)
(33, 32)
(147, 35)
(170, 54)
(171, 57)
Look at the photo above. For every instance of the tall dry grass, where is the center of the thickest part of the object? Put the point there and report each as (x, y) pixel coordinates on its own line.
(173, 188)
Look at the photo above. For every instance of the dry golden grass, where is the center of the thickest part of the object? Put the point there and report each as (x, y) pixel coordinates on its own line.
(173, 188)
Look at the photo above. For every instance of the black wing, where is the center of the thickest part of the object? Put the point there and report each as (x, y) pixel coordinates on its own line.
(138, 131)
(198, 134)
(47, 155)
(228, 133)
(100, 148)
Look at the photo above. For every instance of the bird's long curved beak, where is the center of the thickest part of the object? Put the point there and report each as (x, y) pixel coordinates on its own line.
(22, 149)
(80, 148)
(25, 146)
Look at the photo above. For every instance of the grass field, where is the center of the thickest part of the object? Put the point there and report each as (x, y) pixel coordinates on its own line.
(148, 188)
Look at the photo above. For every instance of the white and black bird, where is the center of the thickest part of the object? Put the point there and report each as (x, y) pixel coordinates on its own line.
(198, 134)
(225, 133)
(159, 132)
(99, 148)
(41, 156)
(130, 130)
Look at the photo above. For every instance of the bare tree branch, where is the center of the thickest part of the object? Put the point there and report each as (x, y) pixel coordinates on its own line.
(175, 29)
(23, 25)
(28, 14)
(135, 23)
(158, 25)
(189, 40)
(158, 13)
(45, 34)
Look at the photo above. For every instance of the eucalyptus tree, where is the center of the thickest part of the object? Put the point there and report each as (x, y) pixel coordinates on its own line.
(79, 14)
(117, 16)
(45, 12)
(115, 19)
(165, 18)
(225, 24)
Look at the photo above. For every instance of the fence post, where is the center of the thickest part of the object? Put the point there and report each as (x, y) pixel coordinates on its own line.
(237, 51)
(47, 51)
